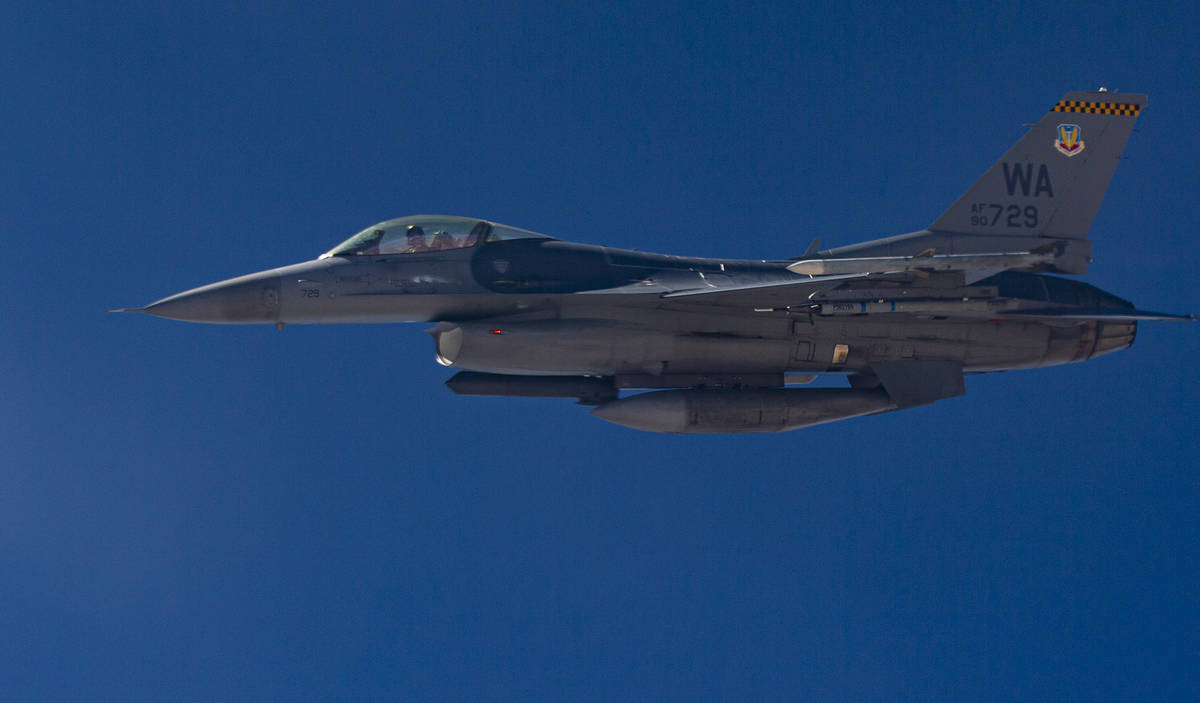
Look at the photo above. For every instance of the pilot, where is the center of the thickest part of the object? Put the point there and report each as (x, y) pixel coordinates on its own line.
(416, 240)
(443, 240)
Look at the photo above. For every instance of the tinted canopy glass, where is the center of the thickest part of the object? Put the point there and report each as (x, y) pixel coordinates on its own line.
(425, 233)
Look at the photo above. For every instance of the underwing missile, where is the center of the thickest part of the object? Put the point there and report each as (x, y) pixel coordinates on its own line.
(937, 262)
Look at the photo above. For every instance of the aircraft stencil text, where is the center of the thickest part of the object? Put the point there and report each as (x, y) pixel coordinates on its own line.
(992, 214)
(1020, 177)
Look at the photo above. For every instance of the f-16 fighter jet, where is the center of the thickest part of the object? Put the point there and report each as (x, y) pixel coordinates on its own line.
(721, 344)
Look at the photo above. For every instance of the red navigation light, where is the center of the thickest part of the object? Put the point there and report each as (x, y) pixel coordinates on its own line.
(497, 331)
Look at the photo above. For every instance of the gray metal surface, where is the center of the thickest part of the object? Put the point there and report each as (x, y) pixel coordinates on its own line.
(522, 314)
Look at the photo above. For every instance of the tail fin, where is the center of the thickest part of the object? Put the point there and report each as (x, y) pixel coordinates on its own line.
(1051, 182)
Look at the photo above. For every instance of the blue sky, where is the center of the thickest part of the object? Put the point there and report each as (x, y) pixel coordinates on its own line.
(197, 512)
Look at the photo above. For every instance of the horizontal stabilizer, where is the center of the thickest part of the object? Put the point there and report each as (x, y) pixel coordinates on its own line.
(1114, 314)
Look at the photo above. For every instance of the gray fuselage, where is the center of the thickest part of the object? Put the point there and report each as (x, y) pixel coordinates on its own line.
(547, 307)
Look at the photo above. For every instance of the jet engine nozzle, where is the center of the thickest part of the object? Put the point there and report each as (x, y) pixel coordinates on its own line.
(1113, 336)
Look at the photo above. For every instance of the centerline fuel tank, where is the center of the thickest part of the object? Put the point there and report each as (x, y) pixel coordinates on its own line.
(736, 411)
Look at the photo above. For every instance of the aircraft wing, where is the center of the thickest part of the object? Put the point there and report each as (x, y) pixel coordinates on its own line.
(827, 273)
(1114, 314)
(763, 295)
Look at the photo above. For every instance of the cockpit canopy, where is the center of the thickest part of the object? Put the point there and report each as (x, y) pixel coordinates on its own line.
(418, 234)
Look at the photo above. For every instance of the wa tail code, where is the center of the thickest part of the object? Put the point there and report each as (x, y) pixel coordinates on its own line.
(1020, 177)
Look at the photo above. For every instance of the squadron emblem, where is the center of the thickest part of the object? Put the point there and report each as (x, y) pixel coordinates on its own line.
(1070, 139)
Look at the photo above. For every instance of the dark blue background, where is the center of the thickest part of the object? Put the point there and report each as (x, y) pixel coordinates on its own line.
(193, 512)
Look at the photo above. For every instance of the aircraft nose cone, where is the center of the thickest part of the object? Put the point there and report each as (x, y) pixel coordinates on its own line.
(246, 299)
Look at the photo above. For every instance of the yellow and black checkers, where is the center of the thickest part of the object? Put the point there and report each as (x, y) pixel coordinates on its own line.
(1097, 108)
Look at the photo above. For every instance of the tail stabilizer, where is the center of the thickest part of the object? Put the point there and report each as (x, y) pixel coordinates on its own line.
(1051, 182)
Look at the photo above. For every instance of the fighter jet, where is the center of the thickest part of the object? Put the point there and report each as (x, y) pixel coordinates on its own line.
(720, 344)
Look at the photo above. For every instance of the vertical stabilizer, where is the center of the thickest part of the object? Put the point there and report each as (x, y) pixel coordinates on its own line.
(1051, 182)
